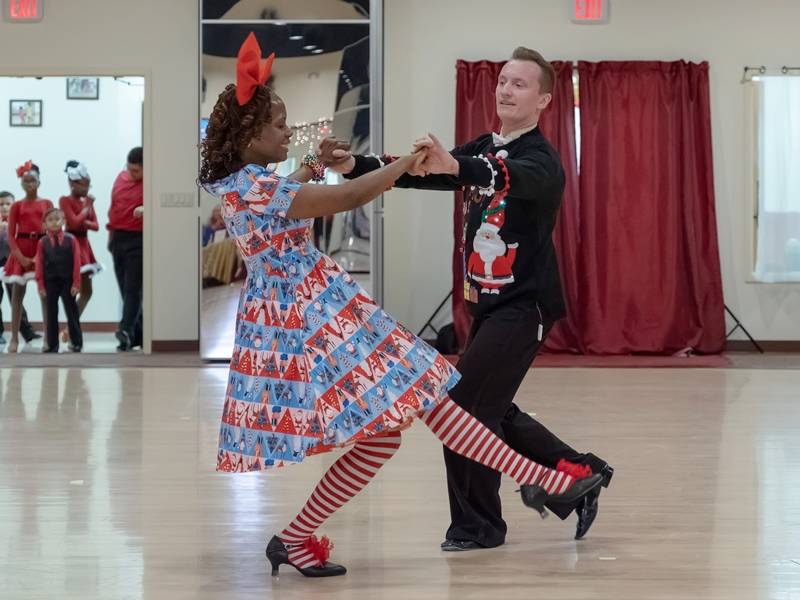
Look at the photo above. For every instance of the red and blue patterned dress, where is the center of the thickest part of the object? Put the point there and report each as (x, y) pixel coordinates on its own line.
(317, 364)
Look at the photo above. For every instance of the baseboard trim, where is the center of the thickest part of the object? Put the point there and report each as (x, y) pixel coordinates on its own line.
(787, 346)
(767, 345)
(175, 346)
(89, 327)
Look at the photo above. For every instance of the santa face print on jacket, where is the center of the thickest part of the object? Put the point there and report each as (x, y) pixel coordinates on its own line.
(490, 263)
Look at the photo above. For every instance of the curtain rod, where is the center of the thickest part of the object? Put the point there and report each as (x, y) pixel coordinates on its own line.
(750, 72)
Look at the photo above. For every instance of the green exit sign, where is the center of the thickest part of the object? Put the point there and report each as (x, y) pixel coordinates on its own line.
(23, 11)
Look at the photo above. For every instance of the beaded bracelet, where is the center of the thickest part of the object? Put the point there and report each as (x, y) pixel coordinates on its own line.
(313, 162)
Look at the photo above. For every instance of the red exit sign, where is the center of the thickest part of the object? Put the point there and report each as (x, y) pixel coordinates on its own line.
(589, 11)
(23, 11)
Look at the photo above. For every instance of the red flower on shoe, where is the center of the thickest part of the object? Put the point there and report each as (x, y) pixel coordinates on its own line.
(319, 549)
(573, 470)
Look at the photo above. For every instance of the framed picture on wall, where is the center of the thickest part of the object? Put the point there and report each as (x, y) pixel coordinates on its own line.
(83, 88)
(25, 113)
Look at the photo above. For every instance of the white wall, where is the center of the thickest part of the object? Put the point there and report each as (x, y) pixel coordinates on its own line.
(97, 132)
(420, 95)
(159, 40)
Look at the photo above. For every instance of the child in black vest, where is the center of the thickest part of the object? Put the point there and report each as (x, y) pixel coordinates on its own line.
(58, 274)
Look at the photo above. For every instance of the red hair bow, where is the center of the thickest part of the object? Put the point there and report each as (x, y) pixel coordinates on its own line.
(22, 169)
(250, 73)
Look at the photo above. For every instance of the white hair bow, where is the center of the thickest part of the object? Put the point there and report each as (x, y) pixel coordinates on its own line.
(78, 172)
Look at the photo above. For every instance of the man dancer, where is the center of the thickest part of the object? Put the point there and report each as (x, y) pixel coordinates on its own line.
(513, 185)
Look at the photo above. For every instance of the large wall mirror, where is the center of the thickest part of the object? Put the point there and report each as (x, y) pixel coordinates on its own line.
(328, 71)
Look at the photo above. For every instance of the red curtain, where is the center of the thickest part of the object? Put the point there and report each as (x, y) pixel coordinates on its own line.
(557, 123)
(476, 115)
(647, 269)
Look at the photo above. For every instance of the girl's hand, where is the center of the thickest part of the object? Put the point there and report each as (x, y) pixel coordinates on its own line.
(415, 163)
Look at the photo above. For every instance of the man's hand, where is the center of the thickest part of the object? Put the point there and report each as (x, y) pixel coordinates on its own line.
(138, 212)
(418, 168)
(42, 294)
(439, 160)
(74, 291)
(335, 154)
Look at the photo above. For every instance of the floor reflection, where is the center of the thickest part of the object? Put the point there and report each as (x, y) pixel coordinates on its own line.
(107, 490)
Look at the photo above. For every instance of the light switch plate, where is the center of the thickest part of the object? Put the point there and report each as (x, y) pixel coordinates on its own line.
(178, 199)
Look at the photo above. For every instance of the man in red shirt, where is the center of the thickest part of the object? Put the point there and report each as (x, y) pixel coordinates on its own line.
(125, 244)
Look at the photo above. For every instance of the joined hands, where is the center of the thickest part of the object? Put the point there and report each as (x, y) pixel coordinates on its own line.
(430, 157)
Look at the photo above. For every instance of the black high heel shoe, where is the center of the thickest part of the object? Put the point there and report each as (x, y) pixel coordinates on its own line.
(278, 555)
(535, 497)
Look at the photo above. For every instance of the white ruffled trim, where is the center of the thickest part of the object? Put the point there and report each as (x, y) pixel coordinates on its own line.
(491, 280)
(378, 158)
(92, 268)
(20, 280)
(489, 190)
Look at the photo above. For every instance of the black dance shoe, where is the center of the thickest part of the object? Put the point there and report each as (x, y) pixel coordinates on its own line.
(589, 505)
(278, 555)
(535, 497)
(460, 546)
(124, 340)
(29, 335)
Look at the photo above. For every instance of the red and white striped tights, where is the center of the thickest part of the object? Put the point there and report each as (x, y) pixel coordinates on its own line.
(456, 428)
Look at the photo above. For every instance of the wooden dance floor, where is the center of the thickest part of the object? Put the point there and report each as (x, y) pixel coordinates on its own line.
(108, 490)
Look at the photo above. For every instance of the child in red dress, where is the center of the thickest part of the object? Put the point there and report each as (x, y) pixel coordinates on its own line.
(24, 230)
(80, 218)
